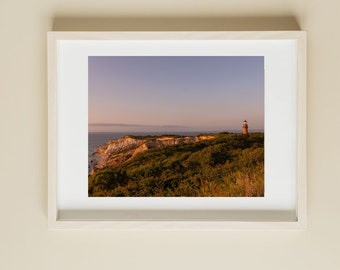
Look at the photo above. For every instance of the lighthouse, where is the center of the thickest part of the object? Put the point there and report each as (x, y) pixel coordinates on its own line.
(245, 127)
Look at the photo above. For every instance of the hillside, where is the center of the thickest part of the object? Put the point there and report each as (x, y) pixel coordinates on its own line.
(222, 164)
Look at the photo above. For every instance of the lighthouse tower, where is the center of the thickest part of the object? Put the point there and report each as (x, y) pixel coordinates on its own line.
(245, 127)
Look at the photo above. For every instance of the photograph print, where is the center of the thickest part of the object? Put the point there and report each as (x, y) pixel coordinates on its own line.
(176, 126)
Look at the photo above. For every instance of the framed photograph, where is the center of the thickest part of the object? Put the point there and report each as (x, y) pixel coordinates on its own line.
(177, 130)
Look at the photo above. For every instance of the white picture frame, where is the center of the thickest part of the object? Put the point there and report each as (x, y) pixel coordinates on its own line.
(286, 54)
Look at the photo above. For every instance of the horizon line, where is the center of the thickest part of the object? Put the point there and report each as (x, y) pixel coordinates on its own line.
(126, 125)
(191, 131)
(142, 125)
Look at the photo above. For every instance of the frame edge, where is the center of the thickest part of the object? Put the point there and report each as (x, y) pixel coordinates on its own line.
(299, 224)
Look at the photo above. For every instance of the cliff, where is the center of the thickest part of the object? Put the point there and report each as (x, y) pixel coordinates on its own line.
(218, 165)
(117, 151)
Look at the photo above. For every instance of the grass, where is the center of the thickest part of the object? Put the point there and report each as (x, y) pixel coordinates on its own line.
(230, 165)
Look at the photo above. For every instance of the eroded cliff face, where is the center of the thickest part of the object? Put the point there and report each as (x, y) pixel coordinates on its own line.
(120, 150)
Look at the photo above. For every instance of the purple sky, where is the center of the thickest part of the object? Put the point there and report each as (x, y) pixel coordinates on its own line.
(183, 93)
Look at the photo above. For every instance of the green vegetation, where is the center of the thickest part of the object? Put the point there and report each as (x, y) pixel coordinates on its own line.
(230, 165)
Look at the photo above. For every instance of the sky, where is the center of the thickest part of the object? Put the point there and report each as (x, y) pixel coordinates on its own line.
(175, 93)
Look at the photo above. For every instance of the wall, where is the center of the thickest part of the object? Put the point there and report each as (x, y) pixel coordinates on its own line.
(25, 241)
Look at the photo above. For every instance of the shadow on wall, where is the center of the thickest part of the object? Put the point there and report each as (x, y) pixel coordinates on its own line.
(288, 23)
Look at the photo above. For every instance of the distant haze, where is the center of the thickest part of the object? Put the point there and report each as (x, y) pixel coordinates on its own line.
(173, 94)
